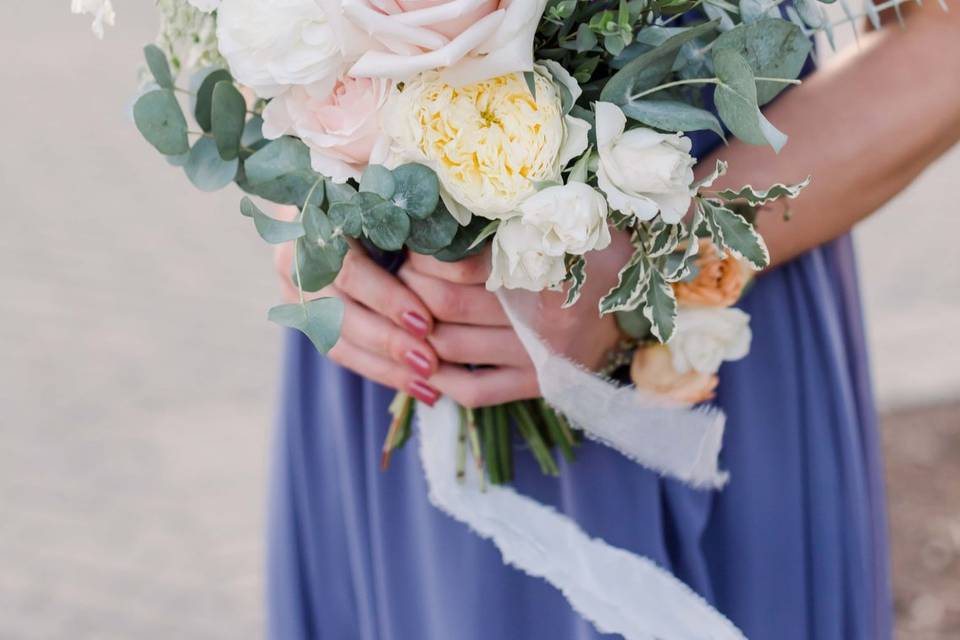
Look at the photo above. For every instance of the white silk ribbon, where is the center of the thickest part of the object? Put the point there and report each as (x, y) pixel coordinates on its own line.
(617, 590)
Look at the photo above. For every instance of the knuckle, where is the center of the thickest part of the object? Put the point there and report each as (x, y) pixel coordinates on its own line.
(448, 303)
(394, 344)
(447, 346)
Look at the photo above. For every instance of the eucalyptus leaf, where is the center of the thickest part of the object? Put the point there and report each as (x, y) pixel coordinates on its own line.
(460, 247)
(281, 172)
(772, 47)
(339, 192)
(531, 79)
(159, 65)
(672, 115)
(387, 226)
(650, 68)
(159, 118)
(228, 119)
(252, 137)
(319, 320)
(631, 286)
(320, 251)
(434, 234)
(272, 230)
(348, 217)
(485, 233)
(202, 110)
(417, 190)
(736, 100)
(206, 169)
(660, 307)
(754, 10)
(379, 180)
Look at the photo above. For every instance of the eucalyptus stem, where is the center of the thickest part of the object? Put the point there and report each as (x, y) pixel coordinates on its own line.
(296, 243)
(717, 81)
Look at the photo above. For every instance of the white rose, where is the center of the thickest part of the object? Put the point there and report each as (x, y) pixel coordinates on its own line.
(642, 171)
(205, 5)
(519, 260)
(101, 10)
(707, 336)
(571, 218)
(271, 45)
(489, 142)
(469, 40)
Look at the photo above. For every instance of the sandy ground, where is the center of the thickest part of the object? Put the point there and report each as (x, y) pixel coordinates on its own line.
(138, 372)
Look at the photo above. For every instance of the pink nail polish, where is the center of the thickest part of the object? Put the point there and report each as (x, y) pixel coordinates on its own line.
(419, 363)
(423, 392)
(415, 323)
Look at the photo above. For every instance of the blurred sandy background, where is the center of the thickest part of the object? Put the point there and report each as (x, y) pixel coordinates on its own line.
(138, 373)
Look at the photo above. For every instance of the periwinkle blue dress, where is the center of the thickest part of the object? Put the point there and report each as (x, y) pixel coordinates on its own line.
(793, 548)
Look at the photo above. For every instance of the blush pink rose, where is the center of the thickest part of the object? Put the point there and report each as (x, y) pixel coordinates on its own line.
(467, 40)
(342, 130)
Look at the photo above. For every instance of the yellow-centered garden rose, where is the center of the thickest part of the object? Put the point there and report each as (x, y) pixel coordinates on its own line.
(489, 142)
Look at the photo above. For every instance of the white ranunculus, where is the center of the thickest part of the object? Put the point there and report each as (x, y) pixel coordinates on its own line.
(205, 5)
(467, 40)
(571, 218)
(707, 336)
(272, 45)
(642, 171)
(101, 10)
(519, 260)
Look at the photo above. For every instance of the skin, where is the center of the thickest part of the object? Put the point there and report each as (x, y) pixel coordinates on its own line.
(864, 126)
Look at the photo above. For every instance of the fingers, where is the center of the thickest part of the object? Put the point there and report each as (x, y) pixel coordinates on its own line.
(486, 387)
(382, 371)
(466, 344)
(379, 336)
(472, 270)
(364, 281)
(457, 303)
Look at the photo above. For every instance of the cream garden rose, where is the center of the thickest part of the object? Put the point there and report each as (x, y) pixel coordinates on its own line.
(342, 129)
(467, 40)
(489, 142)
(519, 260)
(642, 171)
(708, 336)
(272, 45)
(571, 218)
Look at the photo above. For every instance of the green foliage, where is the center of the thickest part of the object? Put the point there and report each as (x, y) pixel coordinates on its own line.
(280, 172)
(203, 107)
(228, 115)
(158, 65)
(386, 226)
(732, 232)
(463, 244)
(159, 118)
(759, 197)
(348, 217)
(672, 115)
(633, 323)
(772, 47)
(631, 286)
(319, 320)
(577, 277)
(417, 190)
(649, 69)
(272, 230)
(736, 100)
(320, 252)
(660, 307)
(433, 234)
(206, 169)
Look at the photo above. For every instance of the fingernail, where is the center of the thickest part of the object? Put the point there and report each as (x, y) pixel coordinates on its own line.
(415, 323)
(419, 363)
(423, 392)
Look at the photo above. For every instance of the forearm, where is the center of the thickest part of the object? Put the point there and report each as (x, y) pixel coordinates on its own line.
(864, 127)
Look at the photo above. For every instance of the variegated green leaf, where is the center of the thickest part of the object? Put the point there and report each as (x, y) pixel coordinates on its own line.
(759, 197)
(733, 233)
(664, 240)
(660, 307)
(577, 275)
(631, 286)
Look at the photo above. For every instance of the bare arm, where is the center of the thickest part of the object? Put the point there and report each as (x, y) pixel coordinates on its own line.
(864, 127)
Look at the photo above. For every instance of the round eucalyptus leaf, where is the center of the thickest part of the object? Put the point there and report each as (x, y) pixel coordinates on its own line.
(387, 226)
(206, 169)
(348, 217)
(319, 320)
(159, 118)
(379, 180)
(178, 160)
(320, 252)
(158, 65)
(736, 100)
(417, 190)
(280, 172)
(252, 137)
(204, 99)
(433, 234)
(228, 118)
(462, 245)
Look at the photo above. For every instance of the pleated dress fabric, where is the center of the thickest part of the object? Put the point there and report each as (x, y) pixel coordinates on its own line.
(794, 547)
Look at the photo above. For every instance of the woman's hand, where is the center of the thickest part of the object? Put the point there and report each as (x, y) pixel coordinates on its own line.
(384, 324)
(471, 327)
